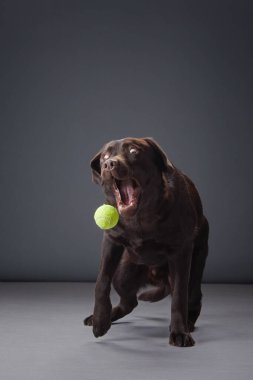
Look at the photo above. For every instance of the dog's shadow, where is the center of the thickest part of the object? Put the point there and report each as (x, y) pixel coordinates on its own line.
(154, 319)
(159, 329)
(130, 335)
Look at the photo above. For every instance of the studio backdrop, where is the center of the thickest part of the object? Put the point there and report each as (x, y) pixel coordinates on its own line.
(76, 74)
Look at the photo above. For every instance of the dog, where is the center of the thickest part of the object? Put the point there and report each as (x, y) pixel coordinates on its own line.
(161, 238)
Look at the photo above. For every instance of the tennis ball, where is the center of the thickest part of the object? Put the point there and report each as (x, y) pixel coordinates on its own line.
(106, 217)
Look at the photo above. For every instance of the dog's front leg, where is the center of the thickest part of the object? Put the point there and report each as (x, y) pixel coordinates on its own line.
(180, 271)
(101, 318)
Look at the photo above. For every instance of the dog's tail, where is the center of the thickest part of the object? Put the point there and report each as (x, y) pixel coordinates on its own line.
(155, 294)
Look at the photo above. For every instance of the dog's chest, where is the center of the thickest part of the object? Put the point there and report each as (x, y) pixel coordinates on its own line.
(148, 247)
(147, 252)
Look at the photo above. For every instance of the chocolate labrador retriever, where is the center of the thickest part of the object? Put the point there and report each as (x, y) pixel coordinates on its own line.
(161, 238)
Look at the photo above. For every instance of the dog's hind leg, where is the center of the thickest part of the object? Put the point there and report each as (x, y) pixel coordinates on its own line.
(156, 294)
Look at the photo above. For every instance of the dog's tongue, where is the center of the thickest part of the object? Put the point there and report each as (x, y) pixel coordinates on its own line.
(126, 191)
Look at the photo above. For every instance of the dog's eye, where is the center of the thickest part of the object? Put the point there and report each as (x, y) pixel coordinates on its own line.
(133, 150)
(106, 156)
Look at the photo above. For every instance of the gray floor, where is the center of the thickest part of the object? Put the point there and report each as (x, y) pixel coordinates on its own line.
(42, 337)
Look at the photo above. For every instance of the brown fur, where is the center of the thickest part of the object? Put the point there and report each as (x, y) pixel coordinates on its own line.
(163, 243)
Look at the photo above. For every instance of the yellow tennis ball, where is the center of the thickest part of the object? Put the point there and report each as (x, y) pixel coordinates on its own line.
(106, 217)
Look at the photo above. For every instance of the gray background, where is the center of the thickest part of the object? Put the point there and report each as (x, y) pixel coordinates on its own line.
(75, 74)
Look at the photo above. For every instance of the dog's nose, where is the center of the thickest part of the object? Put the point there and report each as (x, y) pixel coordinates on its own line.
(110, 164)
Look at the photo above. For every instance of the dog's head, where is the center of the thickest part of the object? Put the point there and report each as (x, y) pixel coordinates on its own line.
(129, 170)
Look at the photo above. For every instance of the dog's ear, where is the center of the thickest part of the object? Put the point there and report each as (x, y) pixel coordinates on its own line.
(96, 169)
(161, 159)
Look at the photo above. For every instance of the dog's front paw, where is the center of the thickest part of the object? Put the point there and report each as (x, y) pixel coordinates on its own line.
(88, 321)
(181, 339)
(100, 327)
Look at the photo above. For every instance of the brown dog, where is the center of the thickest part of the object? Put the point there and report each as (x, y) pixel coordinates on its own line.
(161, 238)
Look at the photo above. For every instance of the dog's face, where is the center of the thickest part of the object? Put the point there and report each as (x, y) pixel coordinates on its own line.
(129, 170)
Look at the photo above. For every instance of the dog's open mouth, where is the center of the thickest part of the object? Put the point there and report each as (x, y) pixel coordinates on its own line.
(127, 192)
